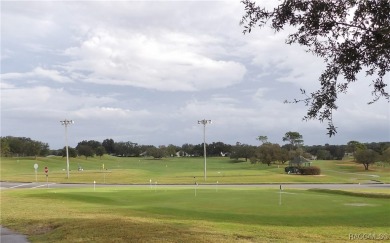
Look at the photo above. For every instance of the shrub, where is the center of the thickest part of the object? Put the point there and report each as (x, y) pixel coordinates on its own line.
(311, 170)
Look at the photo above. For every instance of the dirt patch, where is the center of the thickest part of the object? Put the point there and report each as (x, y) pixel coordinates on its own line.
(41, 229)
(360, 204)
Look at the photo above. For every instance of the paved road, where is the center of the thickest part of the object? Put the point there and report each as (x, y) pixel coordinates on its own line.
(36, 185)
(8, 236)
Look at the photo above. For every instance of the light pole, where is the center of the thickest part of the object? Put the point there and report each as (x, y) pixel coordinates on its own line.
(204, 122)
(66, 123)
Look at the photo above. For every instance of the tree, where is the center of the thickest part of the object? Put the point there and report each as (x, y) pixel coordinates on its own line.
(188, 149)
(71, 151)
(284, 155)
(243, 151)
(4, 147)
(294, 138)
(85, 150)
(366, 157)
(126, 149)
(91, 143)
(156, 153)
(386, 155)
(323, 154)
(353, 146)
(172, 149)
(109, 145)
(268, 153)
(262, 139)
(21, 146)
(218, 148)
(351, 36)
(100, 151)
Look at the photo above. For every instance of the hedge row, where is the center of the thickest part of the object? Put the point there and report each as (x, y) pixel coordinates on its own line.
(311, 170)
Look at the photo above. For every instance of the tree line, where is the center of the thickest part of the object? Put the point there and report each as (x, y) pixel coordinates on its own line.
(265, 152)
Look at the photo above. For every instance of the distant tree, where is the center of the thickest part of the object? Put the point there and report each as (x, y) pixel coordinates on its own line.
(284, 155)
(336, 151)
(71, 151)
(172, 149)
(244, 151)
(366, 157)
(22, 146)
(91, 143)
(262, 139)
(351, 36)
(378, 147)
(156, 153)
(353, 146)
(109, 145)
(127, 149)
(100, 151)
(386, 156)
(188, 148)
(44, 150)
(4, 148)
(294, 138)
(323, 154)
(268, 153)
(216, 148)
(85, 150)
(199, 149)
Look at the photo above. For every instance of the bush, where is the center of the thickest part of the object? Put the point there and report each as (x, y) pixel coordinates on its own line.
(311, 170)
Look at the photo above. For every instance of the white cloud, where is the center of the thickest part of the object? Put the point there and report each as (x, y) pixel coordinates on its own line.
(168, 61)
(147, 71)
(38, 73)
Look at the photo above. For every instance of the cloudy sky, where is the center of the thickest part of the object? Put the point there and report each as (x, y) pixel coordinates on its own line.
(147, 71)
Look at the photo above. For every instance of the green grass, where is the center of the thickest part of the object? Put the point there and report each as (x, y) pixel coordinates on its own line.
(162, 214)
(179, 215)
(181, 171)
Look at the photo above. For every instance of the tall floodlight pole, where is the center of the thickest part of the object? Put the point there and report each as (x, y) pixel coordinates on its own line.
(66, 123)
(204, 122)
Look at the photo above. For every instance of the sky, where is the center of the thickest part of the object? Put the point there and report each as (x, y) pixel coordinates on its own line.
(147, 71)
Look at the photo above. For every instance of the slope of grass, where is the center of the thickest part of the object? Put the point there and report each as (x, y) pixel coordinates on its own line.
(180, 171)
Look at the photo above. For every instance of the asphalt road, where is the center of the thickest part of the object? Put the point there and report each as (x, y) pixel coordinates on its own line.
(36, 185)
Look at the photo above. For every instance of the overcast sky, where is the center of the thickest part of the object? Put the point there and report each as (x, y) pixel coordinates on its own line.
(146, 72)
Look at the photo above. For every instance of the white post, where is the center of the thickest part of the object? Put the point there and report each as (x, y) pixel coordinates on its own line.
(280, 195)
(94, 185)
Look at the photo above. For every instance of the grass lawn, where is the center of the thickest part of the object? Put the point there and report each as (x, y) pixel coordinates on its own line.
(216, 214)
(181, 171)
(180, 215)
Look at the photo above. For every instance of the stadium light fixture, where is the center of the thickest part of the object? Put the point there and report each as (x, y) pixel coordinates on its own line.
(204, 122)
(66, 123)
